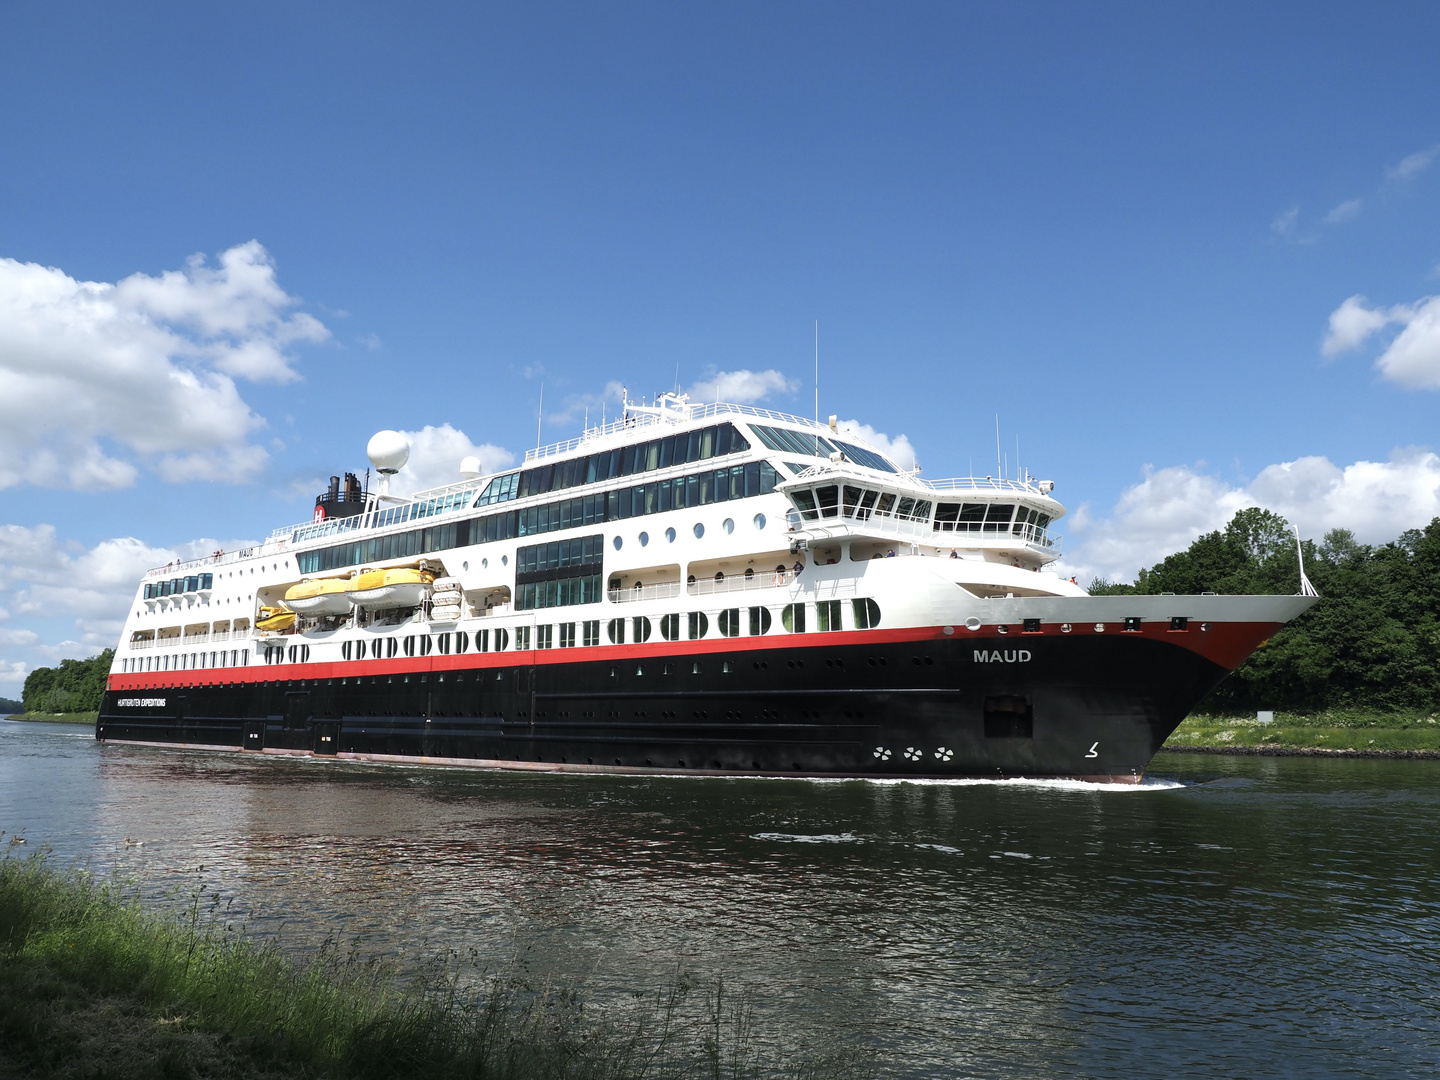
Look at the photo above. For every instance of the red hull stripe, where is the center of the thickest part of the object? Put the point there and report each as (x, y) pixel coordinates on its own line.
(1224, 644)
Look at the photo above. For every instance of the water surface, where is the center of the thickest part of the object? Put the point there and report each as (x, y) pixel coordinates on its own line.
(1239, 916)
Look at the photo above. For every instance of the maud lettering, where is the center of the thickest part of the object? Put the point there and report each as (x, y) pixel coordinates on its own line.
(996, 656)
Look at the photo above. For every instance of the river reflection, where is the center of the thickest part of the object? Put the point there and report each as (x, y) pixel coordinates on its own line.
(1238, 916)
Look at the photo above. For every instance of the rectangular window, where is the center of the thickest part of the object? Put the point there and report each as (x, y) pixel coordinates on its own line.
(793, 618)
(827, 615)
(867, 614)
(561, 573)
(567, 635)
(699, 625)
(522, 638)
(759, 621)
(592, 632)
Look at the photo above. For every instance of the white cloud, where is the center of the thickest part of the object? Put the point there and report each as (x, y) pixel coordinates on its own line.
(1412, 166)
(1412, 358)
(741, 387)
(608, 403)
(12, 677)
(1350, 324)
(435, 456)
(1284, 223)
(897, 449)
(97, 378)
(1348, 210)
(1170, 507)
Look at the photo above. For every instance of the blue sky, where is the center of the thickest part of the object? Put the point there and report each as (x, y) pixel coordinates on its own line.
(1132, 231)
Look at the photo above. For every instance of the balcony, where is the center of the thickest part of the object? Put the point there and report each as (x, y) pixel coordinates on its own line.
(664, 591)
(775, 579)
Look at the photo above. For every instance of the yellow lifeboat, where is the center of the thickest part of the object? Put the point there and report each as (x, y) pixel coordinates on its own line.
(275, 618)
(397, 587)
(322, 596)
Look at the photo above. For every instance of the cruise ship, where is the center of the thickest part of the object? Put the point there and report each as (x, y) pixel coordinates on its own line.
(708, 589)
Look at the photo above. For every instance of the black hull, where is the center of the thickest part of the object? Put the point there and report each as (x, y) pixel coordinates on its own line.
(1098, 708)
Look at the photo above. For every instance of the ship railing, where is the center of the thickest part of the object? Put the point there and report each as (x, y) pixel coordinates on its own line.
(141, 643)
(1032, 534)
(775, 579)
(664, 591)
(431, 503)
(491, 611)
(195, 639)
(985, 483)
(668, 418)
(218, 558)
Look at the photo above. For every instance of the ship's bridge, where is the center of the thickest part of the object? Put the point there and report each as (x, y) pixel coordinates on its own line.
(1007, 518)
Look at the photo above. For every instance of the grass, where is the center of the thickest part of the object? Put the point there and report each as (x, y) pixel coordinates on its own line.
(56, 717)
(1361, 730)
(94, 985)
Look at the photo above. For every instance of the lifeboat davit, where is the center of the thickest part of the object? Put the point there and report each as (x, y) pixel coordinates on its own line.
(381, 590)
(324, 596)
(275, 618)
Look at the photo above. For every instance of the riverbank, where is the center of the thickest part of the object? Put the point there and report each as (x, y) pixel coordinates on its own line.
(56, 718)
(1354, 732)
(93, 984)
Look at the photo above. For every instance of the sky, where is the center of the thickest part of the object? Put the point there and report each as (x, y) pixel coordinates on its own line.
(1188, 254)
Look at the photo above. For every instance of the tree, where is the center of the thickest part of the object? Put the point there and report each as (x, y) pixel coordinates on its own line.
(74, 686)
(1373, 639)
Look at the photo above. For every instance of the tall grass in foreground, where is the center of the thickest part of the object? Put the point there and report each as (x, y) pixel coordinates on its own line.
(91, 984)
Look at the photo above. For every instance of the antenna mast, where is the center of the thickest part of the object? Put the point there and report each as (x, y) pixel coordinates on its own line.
(817, 387)
(539, 415)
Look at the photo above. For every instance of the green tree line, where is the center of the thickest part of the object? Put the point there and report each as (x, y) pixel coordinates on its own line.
(74, 686)
(1373, 640)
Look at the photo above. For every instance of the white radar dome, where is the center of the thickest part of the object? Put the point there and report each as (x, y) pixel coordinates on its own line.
(470, 468)
(388, 451)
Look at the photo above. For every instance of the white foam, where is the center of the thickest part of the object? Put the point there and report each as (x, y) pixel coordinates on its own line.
(804, 838)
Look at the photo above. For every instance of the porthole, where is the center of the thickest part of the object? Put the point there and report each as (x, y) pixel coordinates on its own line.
(729, 525)
(619, 543)
(972, 624)
(464, 566)
(1065, 628)
(699, 530)
(759, 520)
(644, 539)
(670, 535)
(504, 560)
(484, 564)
